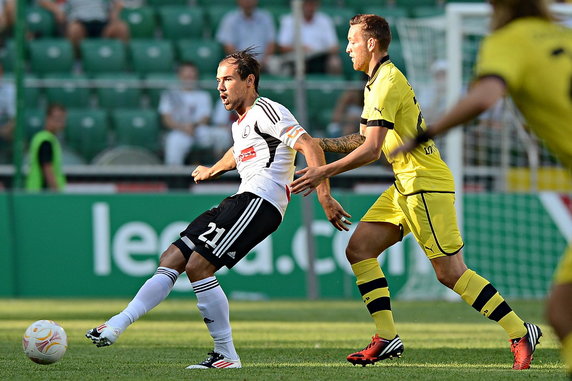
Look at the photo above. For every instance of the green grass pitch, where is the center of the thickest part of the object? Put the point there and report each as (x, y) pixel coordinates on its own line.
(277, 340)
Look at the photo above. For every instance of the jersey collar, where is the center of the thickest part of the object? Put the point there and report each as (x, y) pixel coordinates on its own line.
(383, 60)
(244, 115)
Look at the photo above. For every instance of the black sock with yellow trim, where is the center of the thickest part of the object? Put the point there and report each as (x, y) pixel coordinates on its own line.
(479, 293)
(375, 294)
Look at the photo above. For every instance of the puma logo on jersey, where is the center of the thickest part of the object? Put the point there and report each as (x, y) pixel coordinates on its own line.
(247, 154)
(378, 110)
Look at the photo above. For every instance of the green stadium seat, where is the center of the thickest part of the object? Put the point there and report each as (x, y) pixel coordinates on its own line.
(136, 127)
(141, 21)
(8, 55)
(182, 22)
(87, 132)
(215, 14)
(411, 4)
(322, 92)
(51, 56)
(40, 21)
(388, 13)
(396, 56)
(206, 54)
(70, 91)
(32, 93)
(427, 11)
(359, 5)
(341, 18)
(160, 3)
(278, 89)
(103, 56)
(123, 90)
(277, 12)
(150, 56)
(33, 121)
(156, 83)
(206, 3)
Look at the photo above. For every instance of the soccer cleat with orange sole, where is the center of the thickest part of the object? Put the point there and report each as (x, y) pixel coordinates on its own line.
(378, 349)
(524, 347)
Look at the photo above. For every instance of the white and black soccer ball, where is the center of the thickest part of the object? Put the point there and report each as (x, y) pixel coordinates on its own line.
(45, 342)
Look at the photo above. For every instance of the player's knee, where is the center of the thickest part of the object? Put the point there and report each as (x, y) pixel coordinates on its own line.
(173, 259)
(198, 268)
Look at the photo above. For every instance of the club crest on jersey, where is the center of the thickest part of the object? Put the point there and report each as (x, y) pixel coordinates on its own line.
(246, 131)
(247, 154)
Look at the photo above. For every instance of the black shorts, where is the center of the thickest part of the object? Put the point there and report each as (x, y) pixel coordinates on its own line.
(93, 28)
(229, 231)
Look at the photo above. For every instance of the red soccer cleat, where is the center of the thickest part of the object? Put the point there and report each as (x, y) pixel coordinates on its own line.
(378, 349)
(524, 347)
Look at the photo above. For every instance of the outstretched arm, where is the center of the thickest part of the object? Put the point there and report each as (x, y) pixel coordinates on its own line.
(343, 144)
(315, 157)
(225, 164)
(366, 153)
(483, 95)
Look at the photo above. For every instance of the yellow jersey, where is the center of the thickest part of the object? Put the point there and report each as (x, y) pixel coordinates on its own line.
(534, 58)
(389, 101)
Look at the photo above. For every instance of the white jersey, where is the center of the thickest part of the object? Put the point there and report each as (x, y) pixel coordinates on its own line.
(263, 149)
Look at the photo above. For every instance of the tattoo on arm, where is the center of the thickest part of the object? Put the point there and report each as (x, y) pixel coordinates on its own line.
(343, 144)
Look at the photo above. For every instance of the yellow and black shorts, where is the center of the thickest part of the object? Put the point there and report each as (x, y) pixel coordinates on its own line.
(564, 271)
(430, 216)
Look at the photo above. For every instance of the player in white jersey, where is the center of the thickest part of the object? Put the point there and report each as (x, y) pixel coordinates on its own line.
(266, 139)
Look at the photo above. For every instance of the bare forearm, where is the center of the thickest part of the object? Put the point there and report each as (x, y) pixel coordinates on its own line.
(343, 144)
(225, 164)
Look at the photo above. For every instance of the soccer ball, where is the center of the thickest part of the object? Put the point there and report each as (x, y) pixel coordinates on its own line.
(45, 342)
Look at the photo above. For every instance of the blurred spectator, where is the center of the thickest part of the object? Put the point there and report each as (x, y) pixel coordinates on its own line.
(248, 26)
(347, 113)
(7, 115)
(88, 19)
(46, 159)
(7, 15)
(186, 111)
(318, 36)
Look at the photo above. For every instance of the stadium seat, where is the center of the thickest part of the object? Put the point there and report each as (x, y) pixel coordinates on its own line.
(8, 55)
(182, 22)
(156, 83)
(427, 12)
(277, 12)
(87, 132)
(152, 56)
(40, 22)
(206, 54)
(160, 3)
(411, 4)
(321, 94)
(278, 89)
(33, 121)
(359, 5)
(396, 56)
(32, 93)
(141, 21)
(51, 56)
(68, 90)
(136, 127)
(103, 56)
(388, 13)
(341, 18)
(123, 91)
(215, 14)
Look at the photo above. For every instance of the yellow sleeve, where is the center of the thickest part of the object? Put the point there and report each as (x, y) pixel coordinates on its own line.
(503, 56)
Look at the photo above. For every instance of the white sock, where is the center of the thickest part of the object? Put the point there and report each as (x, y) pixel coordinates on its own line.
(213, 305)
(153, 292)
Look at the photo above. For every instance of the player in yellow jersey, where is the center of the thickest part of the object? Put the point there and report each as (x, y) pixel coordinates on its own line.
(529, 57)
(421, 200)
